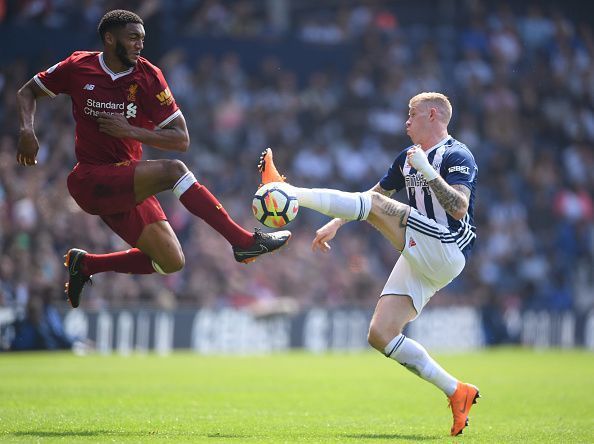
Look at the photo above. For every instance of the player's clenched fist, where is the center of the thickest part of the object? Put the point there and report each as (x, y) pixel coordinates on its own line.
(27, 149)
(116, 125)
(418, 159)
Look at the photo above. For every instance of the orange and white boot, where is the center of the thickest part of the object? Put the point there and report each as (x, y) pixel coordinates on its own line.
(268, 169)
(460, 402)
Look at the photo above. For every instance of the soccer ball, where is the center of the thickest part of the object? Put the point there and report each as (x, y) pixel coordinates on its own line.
(274, 205)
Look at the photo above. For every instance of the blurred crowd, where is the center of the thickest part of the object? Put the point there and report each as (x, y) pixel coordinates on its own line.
(521, 81)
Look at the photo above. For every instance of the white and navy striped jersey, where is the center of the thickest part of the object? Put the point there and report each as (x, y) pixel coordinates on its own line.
(456, 164)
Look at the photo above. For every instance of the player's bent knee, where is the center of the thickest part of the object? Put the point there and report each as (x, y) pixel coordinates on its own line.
(376, 337)
(378, 201)
(375, 197)
(373, 340)
(176, 168)
(380, 335)
(177, 264)
(172, 265)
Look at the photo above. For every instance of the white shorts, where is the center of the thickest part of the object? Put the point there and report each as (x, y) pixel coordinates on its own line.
(429, 261)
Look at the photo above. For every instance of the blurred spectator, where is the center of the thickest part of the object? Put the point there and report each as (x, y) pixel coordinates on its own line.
(326, 93)
(41, 327)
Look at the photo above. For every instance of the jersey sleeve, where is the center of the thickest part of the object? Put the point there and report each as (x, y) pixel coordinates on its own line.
(160, 105)
(394, 179)
(459, 167)
(56, 79)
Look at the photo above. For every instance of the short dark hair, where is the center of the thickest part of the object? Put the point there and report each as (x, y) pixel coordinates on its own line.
(118, 18)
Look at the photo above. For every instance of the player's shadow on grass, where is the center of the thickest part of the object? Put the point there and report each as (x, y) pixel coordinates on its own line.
(83, 433)
(392, 436)
(74, 433)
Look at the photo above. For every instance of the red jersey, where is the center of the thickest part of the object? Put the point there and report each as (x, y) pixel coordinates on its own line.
(139, 93)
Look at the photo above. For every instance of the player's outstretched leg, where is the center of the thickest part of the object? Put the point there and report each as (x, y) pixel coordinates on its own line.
(77, 279)
(460, 403)
(333, 203)
(263, 243)
(201, 202)
(268, 169)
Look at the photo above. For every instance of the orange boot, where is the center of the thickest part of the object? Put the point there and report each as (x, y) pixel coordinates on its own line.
(267, 168)
(460, 403)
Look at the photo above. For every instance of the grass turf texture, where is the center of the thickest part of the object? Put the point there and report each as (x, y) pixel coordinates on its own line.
(528, 397)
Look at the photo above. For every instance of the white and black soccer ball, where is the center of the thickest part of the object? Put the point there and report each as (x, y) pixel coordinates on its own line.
(274, 205)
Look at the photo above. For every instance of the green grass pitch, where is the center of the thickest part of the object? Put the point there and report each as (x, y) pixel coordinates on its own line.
(528, 396)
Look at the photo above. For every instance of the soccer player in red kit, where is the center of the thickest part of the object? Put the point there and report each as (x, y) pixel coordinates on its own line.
(120, 101)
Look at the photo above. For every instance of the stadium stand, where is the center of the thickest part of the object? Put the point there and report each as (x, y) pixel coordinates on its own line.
(326, 84)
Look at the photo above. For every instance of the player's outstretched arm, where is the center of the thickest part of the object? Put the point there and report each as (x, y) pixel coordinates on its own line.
(174, 137)
(28, 145)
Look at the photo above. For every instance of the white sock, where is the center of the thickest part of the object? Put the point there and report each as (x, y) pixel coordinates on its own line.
(183, 183)
(415, 358)
(334, 203)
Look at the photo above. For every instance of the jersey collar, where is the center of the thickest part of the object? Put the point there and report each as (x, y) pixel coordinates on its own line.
(438, 144)
(112, 74)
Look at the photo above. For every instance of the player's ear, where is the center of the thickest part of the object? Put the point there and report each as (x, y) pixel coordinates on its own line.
(433, 113)
(109, 38)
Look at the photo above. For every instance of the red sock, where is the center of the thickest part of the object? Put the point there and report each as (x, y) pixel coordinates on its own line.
(199, 201)
(131, 261)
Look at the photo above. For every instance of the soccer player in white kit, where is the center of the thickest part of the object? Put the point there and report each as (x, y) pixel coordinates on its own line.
(434, 234)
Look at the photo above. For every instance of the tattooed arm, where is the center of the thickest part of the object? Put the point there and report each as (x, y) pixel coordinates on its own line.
(453, 198)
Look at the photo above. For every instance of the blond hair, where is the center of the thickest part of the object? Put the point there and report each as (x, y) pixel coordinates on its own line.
(434, 99)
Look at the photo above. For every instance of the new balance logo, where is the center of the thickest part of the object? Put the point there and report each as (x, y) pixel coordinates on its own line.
(89, 87)
(411, 243)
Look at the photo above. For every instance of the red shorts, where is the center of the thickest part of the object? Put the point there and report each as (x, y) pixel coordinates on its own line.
(108, 191)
